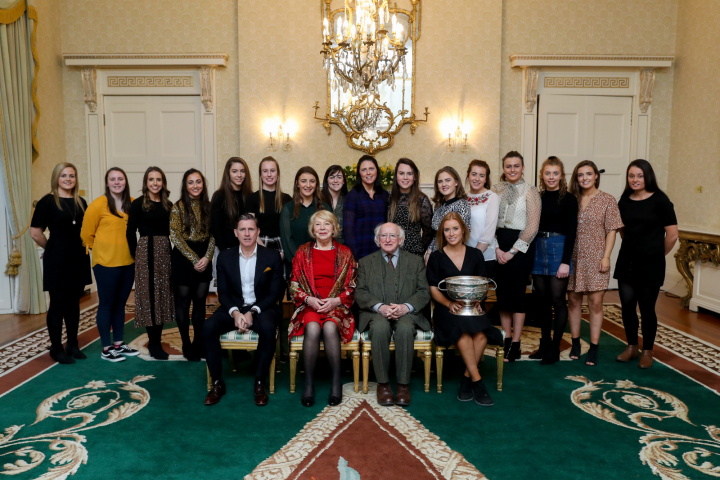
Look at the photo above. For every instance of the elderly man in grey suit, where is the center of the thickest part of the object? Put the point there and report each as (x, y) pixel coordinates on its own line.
(391, 293)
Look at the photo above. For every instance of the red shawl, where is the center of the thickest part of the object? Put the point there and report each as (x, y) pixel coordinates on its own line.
(302, 285)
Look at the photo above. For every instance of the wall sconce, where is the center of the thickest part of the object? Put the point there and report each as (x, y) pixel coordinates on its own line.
(458, 139)
(281, 137)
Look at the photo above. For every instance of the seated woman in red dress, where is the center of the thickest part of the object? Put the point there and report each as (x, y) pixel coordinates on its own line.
(322, 286)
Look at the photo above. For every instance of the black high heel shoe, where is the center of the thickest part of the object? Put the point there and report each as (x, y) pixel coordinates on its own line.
(506, 347)
(308, 401)
(514, 353)
(575, 350)
(189, 353)
(541, 351)
(334, 401)
(592, 357)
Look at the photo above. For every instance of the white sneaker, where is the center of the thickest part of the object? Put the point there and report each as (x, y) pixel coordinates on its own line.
(112, 355)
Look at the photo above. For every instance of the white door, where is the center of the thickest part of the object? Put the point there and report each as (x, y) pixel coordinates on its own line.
(597, 128)
(164, 131)
(6, 297)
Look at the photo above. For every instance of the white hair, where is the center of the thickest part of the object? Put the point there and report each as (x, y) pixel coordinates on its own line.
(401, 233)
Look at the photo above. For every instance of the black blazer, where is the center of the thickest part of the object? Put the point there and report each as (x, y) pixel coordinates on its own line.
(269, 283)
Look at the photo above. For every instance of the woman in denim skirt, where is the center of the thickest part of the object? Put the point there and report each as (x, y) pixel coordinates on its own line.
(553, 253)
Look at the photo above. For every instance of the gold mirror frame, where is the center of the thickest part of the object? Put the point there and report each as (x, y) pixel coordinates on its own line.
(396, 122)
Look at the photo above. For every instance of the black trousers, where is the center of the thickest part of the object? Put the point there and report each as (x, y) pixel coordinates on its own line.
(64, 304)
(632, 296)
(221, 322)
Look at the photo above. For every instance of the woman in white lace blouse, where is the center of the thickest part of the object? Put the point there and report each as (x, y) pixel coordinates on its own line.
(518, 221)
(484, 205)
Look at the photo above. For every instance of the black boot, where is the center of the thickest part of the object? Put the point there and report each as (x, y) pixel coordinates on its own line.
(75, 352)
(480, 394)
(592, 357)
(514, 353)
(465, 394)
(508, 342)
(542, 351)
(59, 355)
(575, 350)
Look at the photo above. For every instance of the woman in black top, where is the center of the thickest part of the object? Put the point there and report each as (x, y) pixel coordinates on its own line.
(649, 234)
(154, 301)
(554, 245)
(228, 203)
(410, 208)
(266, 204)
(66, 265)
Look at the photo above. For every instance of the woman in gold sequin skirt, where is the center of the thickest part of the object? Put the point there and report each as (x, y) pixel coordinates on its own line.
(150, 215)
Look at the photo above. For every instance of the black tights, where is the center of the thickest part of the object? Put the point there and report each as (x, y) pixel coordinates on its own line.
(311, 350)
(645, 296)
(64, 304)
(551, 291)
(197, 294)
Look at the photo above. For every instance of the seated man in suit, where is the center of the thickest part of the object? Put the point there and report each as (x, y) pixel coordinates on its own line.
(391, 293)
(250, 284)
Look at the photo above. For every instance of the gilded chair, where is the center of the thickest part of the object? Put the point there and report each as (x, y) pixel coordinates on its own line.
(234, 340)
(499, 356)
(353, 347)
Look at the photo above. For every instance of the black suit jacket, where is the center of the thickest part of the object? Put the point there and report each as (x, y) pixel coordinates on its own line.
(269, 283)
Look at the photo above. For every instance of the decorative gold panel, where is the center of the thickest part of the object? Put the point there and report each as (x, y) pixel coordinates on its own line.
(150, 81)
(587, 82)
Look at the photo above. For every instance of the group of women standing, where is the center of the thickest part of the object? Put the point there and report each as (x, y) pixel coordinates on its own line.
(561, 235)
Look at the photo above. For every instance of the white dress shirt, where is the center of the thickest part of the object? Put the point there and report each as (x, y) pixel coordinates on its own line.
(395, 254)
(247, 279)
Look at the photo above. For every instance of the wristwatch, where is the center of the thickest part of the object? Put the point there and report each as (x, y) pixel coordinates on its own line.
(513, 251)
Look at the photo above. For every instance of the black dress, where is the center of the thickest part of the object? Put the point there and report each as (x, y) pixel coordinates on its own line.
(222, 227)
(641, 260)
(65, 263)
(449, 327)
(269, 220)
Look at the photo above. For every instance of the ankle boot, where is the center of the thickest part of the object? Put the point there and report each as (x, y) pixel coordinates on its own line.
(576, 348)
(551, 356)
(630, 353)
(506, 348)
(542, 351)
(646, 359)
(514, 353)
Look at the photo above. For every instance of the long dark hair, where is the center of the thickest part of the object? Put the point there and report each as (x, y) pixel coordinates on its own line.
(327, 196)
(147, 205)
(439, 198)
(185, 201)
(377, 186)
(232, 209)
(553, 161)
(575, 187)
(651, 184)
(297, 197)
(414, 196)
(278, 190)
(125, 195)
(510, 154)
(481, 164)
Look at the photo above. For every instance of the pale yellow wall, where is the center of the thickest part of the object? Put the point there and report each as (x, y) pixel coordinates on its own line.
(151, 26)
(51, 127)
(695, 137)
(589, 27)
(281, 77)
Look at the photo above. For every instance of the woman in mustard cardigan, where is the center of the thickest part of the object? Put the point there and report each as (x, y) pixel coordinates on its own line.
(104, 232)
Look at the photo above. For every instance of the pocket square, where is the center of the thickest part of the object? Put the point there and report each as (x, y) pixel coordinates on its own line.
(267, 269)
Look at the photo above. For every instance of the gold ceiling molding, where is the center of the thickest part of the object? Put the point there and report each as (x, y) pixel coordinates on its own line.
(150, 81)
(13, 13)
(587, 82)
(652, 61)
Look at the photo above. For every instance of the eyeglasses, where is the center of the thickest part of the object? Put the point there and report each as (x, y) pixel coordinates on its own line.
(391, 236)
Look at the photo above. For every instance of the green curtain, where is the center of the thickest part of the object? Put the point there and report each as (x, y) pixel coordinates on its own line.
(17, 116)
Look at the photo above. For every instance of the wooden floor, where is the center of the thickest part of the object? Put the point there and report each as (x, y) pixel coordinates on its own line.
(704, 325)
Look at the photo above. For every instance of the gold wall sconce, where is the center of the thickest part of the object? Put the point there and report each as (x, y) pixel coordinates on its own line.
(281, 137)
(457, 139)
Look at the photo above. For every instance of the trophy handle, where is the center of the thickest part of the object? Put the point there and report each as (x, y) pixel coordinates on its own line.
(441, 289)
(493, 281)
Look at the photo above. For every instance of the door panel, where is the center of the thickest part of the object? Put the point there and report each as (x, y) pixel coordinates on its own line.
(6, 300)
(165, 131)
(600, 131)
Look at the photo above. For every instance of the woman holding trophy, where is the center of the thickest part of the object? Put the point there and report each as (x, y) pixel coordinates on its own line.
(452, 258)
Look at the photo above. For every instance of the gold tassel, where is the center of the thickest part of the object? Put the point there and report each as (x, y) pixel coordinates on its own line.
(14, 262)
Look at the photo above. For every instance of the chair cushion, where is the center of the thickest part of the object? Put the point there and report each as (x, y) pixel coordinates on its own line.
(420, 336)
(235, 336)
(299, 338)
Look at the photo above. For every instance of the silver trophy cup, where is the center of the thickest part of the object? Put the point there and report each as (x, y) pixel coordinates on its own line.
(469, 290)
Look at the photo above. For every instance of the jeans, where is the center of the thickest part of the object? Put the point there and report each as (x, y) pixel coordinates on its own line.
(113, 286)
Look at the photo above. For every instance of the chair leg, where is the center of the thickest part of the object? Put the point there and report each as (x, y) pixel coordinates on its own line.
(356, 368)
(500, 356)
(293, 369)
(232, 361)
(272, 375)
(209, 385)
(427, 360)
(439, 366)
(366, 369)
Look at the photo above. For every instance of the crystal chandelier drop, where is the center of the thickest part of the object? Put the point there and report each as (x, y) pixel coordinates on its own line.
(365, 49)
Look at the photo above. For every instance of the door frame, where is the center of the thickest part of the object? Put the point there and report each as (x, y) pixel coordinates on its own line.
(601, 75)
(145, 74)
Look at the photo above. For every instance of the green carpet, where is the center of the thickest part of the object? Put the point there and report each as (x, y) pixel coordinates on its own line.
(533, 431)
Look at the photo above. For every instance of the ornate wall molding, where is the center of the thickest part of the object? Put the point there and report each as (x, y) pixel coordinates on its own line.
(531, 82)
(206, 83)
(586, 82)
(647, 82)
(695, 247)
(144, 59)
(89, 76)
(639, 61)
(150, 81)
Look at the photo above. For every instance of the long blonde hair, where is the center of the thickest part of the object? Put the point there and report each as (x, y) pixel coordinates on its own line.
(55, 179)
(278, 190)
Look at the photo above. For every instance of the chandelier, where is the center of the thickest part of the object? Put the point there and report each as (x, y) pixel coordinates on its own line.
(364, 54)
